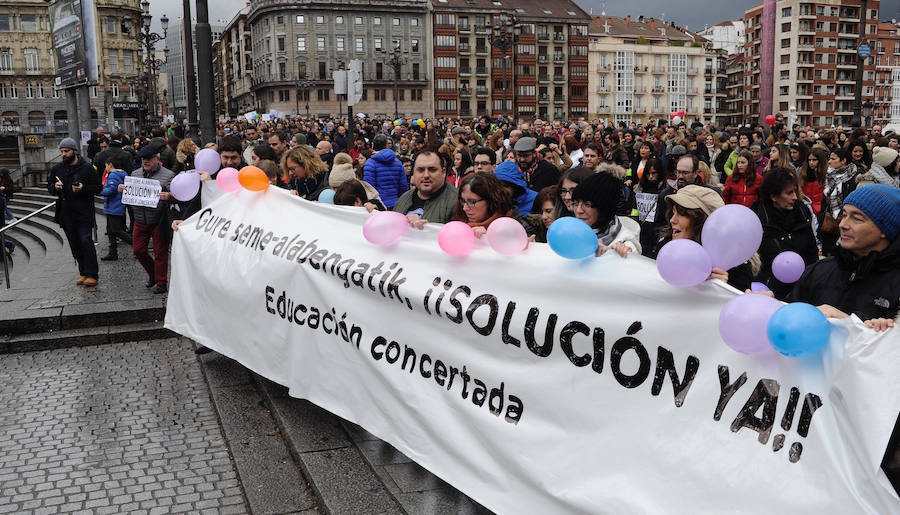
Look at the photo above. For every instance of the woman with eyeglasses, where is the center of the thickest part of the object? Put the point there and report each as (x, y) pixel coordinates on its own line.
(483, 199)
(305, 171)
(812, 178)
(595, 202)
(567, 183)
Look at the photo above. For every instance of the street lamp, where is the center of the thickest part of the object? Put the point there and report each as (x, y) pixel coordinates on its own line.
(303, 84)
(148, 40)
(504, 33)
(395, 59)
(867, 107)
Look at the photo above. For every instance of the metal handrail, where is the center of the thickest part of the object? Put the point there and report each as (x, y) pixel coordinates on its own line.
(4, 228)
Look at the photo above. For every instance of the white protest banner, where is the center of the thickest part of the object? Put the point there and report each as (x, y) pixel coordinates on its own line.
(646, 204)
(536, 384)
(141, 192)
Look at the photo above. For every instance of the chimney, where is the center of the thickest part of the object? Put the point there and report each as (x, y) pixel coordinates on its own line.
(652, 24)
(628, 19)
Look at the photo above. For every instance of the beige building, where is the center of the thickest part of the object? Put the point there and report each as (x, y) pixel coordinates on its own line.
(30, 103)
(234, 53)
(644, 69)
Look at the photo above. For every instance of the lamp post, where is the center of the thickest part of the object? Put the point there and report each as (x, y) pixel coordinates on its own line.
(867, 107)
(503, 36)
(396, 59)
(151, 63)
(303, 84)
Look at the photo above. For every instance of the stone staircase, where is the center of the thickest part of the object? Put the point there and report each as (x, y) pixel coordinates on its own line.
(44, 308)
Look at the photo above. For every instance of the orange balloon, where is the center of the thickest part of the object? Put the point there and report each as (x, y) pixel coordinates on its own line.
(253, 178)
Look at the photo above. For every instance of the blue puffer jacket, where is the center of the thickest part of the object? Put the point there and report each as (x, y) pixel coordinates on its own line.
(112, 201)
(385, 172)
(507, 171)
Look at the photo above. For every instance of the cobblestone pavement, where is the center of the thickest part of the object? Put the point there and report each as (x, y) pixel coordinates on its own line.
(112, 429)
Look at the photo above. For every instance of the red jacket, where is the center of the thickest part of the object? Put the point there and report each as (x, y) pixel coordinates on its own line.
(737, 191)
(815, 194)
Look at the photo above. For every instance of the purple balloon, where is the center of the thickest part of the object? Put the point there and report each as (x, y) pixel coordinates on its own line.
(788, 266)
(207, 160)
(755, 286)
(683, 263)
(731, 235)
(185, 186)
(744, 321)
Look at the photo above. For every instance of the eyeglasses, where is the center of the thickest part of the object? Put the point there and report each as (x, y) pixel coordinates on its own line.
(564, 191)
(470, 202)
(583, 204)
(482, 163)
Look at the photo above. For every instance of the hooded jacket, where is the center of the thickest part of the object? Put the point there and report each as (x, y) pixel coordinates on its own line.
(385, 172)
(866, 286)
(509, 172)
(112, 199)
(784, 231)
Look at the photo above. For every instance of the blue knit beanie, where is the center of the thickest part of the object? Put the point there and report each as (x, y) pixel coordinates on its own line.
(881, 203)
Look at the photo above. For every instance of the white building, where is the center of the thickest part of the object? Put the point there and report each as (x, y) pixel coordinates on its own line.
(726, 35)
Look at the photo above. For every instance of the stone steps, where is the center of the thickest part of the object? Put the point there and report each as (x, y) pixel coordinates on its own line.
(82, 337)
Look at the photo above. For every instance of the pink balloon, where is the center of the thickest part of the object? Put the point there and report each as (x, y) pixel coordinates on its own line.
(385, 227)
(683, 263)
(788, 266)
(743, 323)
(456, 238)
(507, 236)
(207, 160)
(227, 179)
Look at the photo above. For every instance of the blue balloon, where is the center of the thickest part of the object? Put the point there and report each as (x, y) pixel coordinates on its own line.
(327, 196)
(571, 238)
(798, 329)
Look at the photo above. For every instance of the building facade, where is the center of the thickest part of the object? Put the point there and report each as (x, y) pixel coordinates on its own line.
(644, 69)
(296, 48)
(29, 101)
(175, 68)
(886, 54)
(526, 59)
(734, 91)
(726, 35)
(235, 68)
(715, 86)
(815, 60)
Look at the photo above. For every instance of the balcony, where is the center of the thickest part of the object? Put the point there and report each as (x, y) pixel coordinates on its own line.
(465, 70)
(543, 36)
(559, 99)
(559, 37)
(602, 89)
(465, 49)
(481, 49)
(658, 89)
(805, 63)
(692, 70)
(543, 58)
(481, 29)
(559, 78)
(544, 99)
(482, 91)
(659, 69)
(465, 112)
(465, 92)
(559, 58)
(482, 70)
(543, 78)
(464, 28)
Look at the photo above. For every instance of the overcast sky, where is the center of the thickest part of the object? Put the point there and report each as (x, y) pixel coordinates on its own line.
(693, 13)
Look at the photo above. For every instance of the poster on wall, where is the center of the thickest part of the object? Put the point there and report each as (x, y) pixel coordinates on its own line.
(74, 41)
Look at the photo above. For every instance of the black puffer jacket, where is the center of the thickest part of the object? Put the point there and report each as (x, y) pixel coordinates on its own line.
(868, 286)
(784, 231)
(71, 206)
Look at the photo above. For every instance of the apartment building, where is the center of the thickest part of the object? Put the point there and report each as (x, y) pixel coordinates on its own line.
(175, 65)
(233, 67)
(524, 58)
(886, 55)
(815, 60)
(644, 69)
(30, 103)
(726, 35)
(734, 91)
(296, 42)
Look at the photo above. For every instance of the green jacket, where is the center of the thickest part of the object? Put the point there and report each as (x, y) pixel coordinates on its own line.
(437, 209)
(732, 160)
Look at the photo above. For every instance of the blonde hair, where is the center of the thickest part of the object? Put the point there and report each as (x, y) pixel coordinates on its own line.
(310, 161)
(342, 158)
(185, 146)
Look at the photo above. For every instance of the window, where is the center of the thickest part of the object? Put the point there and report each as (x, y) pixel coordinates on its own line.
(413, 22)
(322, 72)
(301, 43)
(128, 60)
(359, 45)
(320, 19)
(339, 43)
(110, 25)
(5, 60)
(446, 105)
(786, 12)
(13, 91)
(279, 20)
(446, 84)
(415, 71)
(445, 62)
(28, 22)
(358, 20)
(395, 22)
(376, 20)
(323, 95)
(4, 22)
(40, 90)
(414, 45)
(31, 60)
(338, 20)
(281, 43)
(445, 19)
(380, 94)
(445, 41)
(29, 90)
(301, 18)
(114, 88)
(320, 43)
(378, 44)
(282, 71)
(113, 60)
